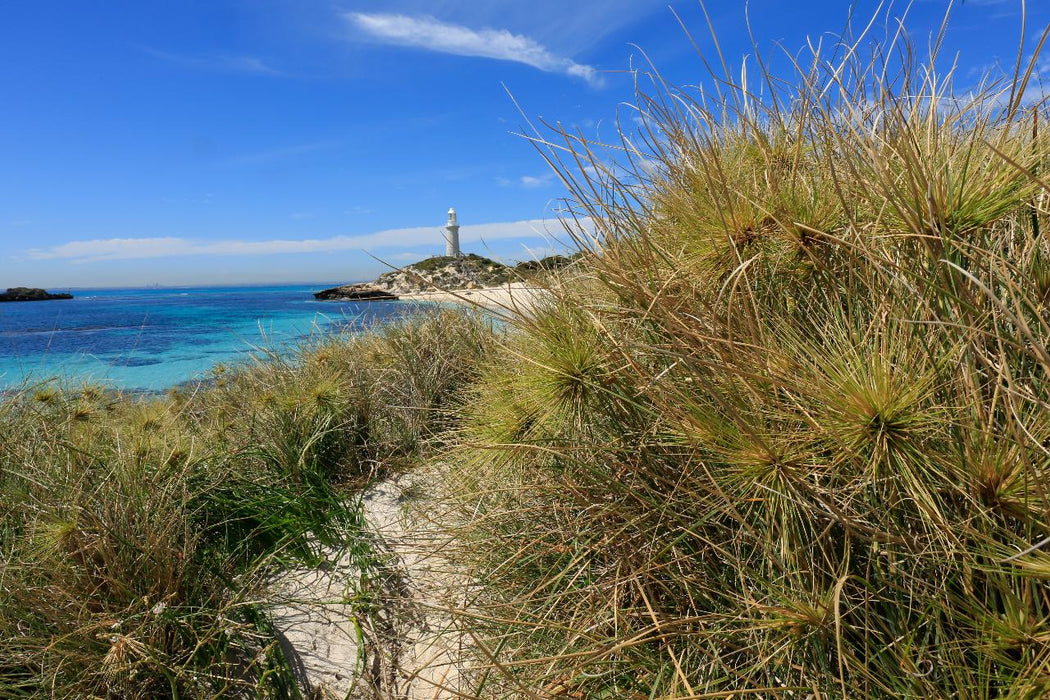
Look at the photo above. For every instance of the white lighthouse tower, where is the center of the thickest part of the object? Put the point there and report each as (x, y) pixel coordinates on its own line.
(452, 235)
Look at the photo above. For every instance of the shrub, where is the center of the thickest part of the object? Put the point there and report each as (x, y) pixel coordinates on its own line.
(784, 431)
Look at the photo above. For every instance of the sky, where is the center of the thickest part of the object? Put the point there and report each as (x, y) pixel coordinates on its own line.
(192, 142)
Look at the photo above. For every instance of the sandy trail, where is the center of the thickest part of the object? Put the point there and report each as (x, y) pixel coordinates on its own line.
(431, 649)
(317, 627)
(399, 640)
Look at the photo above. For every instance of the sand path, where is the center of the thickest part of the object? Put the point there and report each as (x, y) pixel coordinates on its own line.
(396, 641)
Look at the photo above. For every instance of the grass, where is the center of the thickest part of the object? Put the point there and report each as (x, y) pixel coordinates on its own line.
(137, 535)
(783, 429)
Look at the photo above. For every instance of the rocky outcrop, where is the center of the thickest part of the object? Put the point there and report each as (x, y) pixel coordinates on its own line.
(446, 273)
(30, 294)
(355, 292)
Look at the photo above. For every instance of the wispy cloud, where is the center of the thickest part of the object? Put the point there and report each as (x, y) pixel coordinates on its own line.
(102, 250)
(431, 34)
(220, 63)
(529, 182)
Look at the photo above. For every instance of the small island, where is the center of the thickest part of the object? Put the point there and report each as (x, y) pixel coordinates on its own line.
(31, 294)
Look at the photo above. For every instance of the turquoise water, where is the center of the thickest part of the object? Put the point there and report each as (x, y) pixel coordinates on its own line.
(153, 339)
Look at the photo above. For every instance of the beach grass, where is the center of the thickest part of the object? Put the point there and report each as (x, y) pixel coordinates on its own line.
(783, 430)
(138, 534)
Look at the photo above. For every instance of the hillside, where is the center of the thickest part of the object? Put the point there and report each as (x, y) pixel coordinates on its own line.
(445, 273)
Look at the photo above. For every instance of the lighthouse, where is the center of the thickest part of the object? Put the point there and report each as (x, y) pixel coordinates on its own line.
(452, 235)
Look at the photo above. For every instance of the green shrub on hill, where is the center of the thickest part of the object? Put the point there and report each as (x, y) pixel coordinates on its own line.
(551, 263)
(435, 263)
(446, 273)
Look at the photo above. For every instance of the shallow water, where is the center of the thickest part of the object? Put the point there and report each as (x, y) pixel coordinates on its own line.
(153, 339)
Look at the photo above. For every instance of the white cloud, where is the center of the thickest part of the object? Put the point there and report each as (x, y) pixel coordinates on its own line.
(434, 35)
(411, 255)
(529, 182)
(101, 250)
(532, 182)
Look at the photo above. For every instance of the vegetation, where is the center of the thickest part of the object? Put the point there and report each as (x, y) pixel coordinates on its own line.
(451, 273)
(436, 262)
(780, 429)
(783, 431)
(552, 263)
(446, 272)
(137, 534)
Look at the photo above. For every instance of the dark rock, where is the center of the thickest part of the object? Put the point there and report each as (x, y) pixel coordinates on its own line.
(30, 294)
(355, 292)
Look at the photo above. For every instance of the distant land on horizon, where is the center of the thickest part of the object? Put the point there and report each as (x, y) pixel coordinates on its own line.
(23, 294)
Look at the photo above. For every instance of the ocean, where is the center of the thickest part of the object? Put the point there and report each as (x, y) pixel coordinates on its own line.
(153, 339)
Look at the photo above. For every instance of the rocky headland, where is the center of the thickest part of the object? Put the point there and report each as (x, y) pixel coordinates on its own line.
(442, 273)
(30, 294)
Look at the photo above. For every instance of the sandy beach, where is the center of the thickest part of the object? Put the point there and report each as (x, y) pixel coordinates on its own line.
(513, 296)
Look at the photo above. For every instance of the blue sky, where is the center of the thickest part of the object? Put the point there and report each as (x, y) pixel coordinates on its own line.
(262, 141)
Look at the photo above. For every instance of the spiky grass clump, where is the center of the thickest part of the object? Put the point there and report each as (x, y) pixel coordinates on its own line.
(136, 534)
(797, 445)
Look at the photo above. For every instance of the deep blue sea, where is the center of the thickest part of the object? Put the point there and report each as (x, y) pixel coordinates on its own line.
(153, 339)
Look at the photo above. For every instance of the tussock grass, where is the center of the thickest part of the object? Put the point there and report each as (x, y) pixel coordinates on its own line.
(785, 429)
(137, 534)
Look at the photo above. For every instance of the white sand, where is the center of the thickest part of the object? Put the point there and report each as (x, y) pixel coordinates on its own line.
(412, 648)
(513, 296)
(431, 650)
(312, 613)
